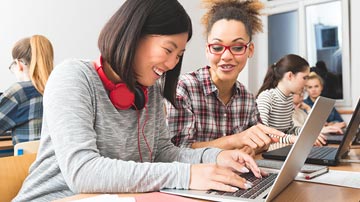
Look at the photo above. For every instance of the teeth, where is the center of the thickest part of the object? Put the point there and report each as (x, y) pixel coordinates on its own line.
(226, 66)
(158, 71)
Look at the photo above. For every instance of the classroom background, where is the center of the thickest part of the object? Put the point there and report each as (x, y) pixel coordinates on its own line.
(73, 28)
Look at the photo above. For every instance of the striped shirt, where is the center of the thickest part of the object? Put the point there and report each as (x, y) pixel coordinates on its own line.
(276, 110)
(21, 110)
(202, 116)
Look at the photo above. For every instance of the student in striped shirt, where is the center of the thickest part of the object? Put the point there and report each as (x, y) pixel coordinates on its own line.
(275, 97)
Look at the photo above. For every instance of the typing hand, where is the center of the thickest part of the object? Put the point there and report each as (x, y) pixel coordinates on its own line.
(237, 161)
(320, 141)
(331, 129)
(212, 176)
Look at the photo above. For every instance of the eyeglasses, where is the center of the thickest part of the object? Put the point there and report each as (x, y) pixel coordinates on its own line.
(219, 49)
(13, 64)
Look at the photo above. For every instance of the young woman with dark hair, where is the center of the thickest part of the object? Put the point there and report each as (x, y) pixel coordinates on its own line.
(275, 97)
(93, 141)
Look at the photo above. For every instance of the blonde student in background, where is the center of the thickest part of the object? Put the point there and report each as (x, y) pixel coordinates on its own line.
(212, 107)
(275, 97)
(21, 105)
(314, 86)
(94, 140)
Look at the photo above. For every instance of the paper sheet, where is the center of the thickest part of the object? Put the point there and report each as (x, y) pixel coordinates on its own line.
(337, 177)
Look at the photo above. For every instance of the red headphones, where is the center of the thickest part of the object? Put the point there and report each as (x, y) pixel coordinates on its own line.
(119, 94)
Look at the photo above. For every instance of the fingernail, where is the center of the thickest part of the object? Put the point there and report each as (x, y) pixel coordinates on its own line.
(235, 188)
(248, 185)
(244, 170)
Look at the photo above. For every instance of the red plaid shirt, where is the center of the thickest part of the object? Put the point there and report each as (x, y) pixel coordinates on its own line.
(202, 116)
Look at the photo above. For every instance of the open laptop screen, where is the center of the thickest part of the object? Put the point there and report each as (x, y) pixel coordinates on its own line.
(350, 132)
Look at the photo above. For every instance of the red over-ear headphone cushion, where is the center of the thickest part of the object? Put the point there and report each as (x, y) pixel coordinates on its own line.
(121, 96)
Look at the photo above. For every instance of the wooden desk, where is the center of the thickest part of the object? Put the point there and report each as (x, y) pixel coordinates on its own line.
(5, 137)
(300, 191)
(312, 192)
(6, 144)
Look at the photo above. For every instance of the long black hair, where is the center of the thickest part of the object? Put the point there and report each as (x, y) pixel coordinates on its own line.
(135, 19)
(289, 63)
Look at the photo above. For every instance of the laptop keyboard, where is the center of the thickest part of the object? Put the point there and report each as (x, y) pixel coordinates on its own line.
(320, 152)
(259, 186)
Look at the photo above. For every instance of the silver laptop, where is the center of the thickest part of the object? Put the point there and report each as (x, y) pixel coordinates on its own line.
(292, 165)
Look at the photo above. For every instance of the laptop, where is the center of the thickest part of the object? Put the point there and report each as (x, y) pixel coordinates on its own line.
(325, 155)
(269, 187)
(333, 138)
(337, 139)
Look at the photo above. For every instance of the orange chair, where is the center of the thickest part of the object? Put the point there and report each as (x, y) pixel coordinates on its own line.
(13, 171)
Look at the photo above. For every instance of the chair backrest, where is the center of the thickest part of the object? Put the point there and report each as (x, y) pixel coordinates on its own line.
(13, 171)
(30, 147)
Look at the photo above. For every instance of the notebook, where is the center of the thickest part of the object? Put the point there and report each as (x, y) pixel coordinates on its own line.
(325, 155)
(269, 187)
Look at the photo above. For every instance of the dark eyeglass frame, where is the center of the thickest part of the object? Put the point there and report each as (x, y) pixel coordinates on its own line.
(228, 48)
(15, 62)
(12, 64)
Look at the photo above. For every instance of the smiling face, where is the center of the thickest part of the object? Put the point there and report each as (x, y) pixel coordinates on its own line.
(226, 67)
(157, 54)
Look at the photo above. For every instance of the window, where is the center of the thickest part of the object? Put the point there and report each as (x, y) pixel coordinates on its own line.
(318, 30)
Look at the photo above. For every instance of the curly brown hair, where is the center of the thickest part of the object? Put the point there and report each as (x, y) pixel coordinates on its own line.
(248, 12)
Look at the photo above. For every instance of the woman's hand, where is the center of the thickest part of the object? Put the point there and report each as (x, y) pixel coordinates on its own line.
(331, 129)
(321, 140)
(248, 150)
(304, 106)
(257, 137)
(212, 176)
(337, 124)
(224, 175)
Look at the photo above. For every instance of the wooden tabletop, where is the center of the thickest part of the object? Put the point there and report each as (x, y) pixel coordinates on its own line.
(314, 192)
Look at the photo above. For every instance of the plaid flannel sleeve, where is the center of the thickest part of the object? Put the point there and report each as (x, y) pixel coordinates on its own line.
(8, 109)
